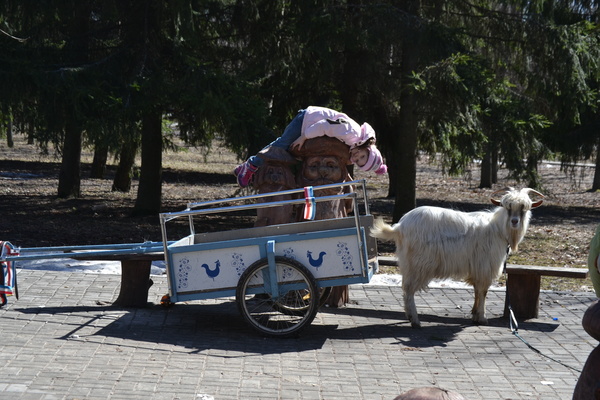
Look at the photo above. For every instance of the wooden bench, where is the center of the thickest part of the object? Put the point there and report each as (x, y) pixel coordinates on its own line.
(522, 285)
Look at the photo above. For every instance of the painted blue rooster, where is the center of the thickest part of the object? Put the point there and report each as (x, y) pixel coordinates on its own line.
(315, 262)
(212, 273)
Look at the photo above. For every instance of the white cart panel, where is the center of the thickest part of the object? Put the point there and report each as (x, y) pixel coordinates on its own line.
(325, 257)
(209, 270)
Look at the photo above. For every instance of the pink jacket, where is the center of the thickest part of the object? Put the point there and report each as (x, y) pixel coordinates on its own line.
(321, 121)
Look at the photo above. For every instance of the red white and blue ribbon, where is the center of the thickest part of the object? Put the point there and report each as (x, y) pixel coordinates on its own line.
(8, 274)
(310, 206)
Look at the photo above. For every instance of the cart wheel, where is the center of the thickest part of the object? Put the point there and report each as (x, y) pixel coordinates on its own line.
(297, 295)
(289, 307)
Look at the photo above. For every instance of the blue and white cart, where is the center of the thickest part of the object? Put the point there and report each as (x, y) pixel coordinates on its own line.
(278, 274)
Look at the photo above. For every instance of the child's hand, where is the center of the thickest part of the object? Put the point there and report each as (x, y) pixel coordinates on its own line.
(298, 143)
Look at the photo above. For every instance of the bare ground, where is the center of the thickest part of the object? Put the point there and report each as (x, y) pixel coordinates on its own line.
(32, 215)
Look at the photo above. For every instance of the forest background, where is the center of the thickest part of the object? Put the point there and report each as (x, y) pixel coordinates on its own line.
(508, 83)
(505, 84)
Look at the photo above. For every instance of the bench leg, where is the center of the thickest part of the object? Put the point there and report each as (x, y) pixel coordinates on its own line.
(523, 292)
(339, 296)
(135, 282)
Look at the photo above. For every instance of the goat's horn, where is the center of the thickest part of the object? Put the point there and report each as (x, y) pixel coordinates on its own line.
(529, 190)
(503, 191)
(535, 204)
(498, 202)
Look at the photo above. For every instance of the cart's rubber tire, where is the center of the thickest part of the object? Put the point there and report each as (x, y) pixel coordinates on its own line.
(264, 312)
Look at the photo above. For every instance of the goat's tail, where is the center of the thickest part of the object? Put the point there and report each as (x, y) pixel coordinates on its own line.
(383, 231)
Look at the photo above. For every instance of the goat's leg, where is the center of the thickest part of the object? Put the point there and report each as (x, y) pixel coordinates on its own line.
(410, 308)
(479, 305)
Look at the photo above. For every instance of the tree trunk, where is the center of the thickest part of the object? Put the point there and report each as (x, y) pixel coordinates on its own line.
(533, 178)
(485, 180)
(406, 173)
(495, 166)
(149, 195)
(69, 179)
(9, 133)
(122, 181)
(393, 168)
(596, 183)
(407, 138)
(99, 162)
(30, 133)
(387, 130)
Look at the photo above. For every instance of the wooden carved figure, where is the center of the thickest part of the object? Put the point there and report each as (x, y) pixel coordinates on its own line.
(324, 161)
(275, 175)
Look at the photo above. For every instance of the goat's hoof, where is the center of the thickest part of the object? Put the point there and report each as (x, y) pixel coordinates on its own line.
(480, 321)
(415, 325)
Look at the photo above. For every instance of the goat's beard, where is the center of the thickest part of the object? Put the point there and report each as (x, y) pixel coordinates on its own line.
(514, 240)
(517, 234)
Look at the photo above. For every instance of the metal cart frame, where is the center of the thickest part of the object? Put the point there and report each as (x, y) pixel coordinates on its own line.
(277, 282)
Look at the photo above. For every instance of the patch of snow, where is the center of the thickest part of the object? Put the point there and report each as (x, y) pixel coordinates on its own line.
(396, 280)
(84, 266)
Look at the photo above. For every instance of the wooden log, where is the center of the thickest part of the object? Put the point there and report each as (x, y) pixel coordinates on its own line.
(135, 276)
(523, 294)
(135, 283)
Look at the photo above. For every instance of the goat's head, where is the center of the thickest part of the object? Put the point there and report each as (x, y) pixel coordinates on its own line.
(517, 204)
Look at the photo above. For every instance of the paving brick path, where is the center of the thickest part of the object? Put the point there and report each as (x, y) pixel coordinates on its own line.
(57, 342)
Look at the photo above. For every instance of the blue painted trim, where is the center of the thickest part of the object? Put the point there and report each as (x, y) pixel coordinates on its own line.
(271, 281)
(261, 241)
(170, 278)
(203, 295)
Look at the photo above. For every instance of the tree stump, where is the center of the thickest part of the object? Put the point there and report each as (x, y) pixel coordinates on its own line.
(324, 161)
(135, 283)
(135, 276)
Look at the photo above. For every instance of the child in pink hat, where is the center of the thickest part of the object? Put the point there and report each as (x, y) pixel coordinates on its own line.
(320, 121)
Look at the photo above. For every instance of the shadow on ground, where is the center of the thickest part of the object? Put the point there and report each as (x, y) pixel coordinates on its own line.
(196, 328)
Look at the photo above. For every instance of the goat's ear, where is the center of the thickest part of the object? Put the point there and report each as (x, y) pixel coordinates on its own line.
(536, 204)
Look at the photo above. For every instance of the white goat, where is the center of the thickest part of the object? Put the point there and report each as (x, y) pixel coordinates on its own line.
(439, 243)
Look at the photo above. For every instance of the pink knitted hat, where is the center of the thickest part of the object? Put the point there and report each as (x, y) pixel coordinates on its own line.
(367, 132)
(374, 162)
